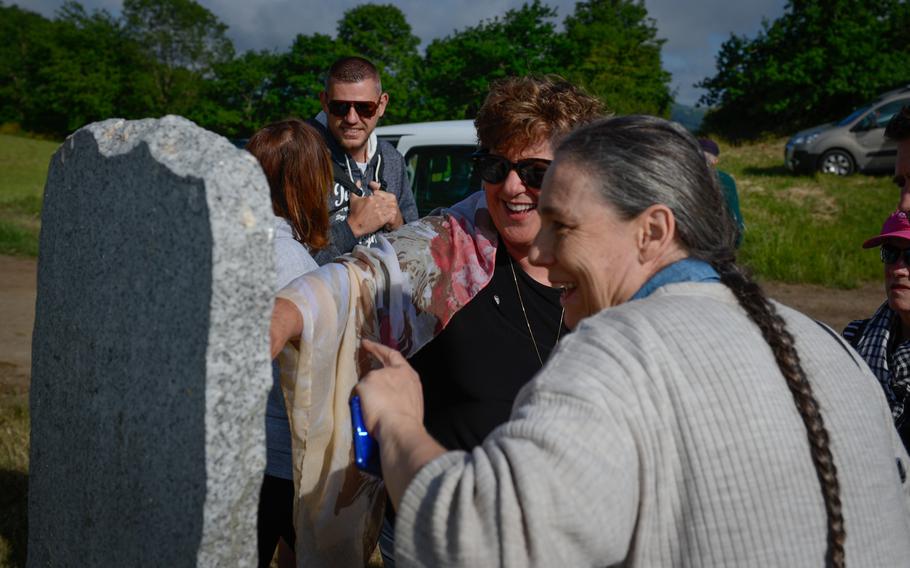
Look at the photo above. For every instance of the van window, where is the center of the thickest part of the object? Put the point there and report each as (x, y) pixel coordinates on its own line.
(441, 175)
(852, 116)
(884, 113)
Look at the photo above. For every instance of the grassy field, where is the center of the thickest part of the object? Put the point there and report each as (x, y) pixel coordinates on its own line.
(799, 229)
(807, 229)
(23, 169)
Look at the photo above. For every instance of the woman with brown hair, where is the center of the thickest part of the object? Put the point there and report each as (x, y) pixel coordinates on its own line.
(296, 164)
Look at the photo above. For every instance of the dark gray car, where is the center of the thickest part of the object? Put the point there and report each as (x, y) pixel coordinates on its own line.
(855, 143)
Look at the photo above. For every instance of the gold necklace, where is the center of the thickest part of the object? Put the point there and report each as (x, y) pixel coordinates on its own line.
(527, 321)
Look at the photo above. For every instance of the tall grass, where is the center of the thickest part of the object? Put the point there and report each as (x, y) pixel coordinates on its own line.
(23, 169)
(14, 446)
(808, 228)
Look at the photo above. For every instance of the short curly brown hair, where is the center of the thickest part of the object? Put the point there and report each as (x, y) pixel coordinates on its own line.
(522, 111)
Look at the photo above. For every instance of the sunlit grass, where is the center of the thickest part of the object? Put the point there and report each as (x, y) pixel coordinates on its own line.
(806, 228)
(23, 169)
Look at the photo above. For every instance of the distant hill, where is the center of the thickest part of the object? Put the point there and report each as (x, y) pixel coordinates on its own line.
(688, 116)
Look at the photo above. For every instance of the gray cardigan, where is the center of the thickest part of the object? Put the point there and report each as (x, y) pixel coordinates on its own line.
(662, 433)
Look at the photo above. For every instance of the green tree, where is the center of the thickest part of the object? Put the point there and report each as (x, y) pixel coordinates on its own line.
(57, 75)
(613, 51)
(813, 64)
(184, 42)
(458, 69)
(240, 97)
(381, 33)
(300, 74)
(26, 36)
(89, 73)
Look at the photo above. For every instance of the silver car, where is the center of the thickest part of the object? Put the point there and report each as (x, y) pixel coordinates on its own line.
(855, 143)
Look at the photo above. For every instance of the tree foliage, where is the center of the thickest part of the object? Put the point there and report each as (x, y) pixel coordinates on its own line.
(174, 57)
(61, 79)
(613, 51)
(300, 76)
(25, 42)
(241, 95)
(381, 33)
(459, 68)
(183, 42)
(812, 65)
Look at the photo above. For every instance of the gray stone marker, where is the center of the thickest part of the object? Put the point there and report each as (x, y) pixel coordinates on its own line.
(150, 352)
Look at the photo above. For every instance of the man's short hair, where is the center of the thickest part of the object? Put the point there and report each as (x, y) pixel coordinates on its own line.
(898, 128)
(352, 69)
(522, 111)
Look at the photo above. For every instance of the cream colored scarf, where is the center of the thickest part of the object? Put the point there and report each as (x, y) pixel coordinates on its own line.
(402, 292)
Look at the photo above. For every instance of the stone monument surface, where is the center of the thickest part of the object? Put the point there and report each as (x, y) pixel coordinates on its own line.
(150, 351)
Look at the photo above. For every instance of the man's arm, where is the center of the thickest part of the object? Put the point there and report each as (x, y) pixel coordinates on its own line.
(366, 215)
(406, 202)
(341, 241)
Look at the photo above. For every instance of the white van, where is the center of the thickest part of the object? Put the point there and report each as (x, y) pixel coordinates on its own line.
(438, 160)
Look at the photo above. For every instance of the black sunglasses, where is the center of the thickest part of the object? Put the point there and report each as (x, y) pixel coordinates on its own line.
(495, 169)
(891, 253)
(366, 109)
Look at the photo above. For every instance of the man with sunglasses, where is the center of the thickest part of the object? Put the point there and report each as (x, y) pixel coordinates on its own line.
(883, 340)
(370, 192)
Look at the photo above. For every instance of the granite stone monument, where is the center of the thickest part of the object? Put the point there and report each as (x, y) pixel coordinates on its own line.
(150, 350)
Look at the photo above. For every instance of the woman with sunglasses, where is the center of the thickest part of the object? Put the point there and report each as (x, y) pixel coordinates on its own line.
(884, 339)
(461, 277)
(296, 164)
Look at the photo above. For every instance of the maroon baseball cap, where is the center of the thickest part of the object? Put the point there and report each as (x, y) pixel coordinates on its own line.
(709, 146)
(897, 226)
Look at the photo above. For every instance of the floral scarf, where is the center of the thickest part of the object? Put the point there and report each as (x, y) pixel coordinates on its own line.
(402, 292)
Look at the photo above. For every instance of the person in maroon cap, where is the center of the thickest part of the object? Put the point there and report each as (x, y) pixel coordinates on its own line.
(883, 340)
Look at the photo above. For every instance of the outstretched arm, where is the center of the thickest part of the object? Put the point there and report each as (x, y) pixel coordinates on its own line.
(287, 324)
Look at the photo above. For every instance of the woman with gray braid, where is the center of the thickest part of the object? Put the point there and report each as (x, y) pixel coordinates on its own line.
(686, 421)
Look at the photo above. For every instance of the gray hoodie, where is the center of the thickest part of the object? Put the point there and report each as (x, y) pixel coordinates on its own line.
(384, 165)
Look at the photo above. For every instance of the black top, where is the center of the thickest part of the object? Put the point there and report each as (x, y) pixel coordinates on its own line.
(472, 371)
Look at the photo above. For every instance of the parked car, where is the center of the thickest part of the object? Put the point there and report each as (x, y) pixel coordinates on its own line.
(855, 143)
(438, 160)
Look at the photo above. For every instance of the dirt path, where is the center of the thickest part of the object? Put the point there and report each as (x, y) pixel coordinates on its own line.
(17, 317)
(835, 307)
(17, 313)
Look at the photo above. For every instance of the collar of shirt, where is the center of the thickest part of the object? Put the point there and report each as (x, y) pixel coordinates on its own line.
(685, 270)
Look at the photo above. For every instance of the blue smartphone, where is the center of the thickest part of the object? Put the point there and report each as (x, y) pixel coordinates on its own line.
(366, 449)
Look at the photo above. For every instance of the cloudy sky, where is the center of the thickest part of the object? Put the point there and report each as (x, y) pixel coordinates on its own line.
(694, 29)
